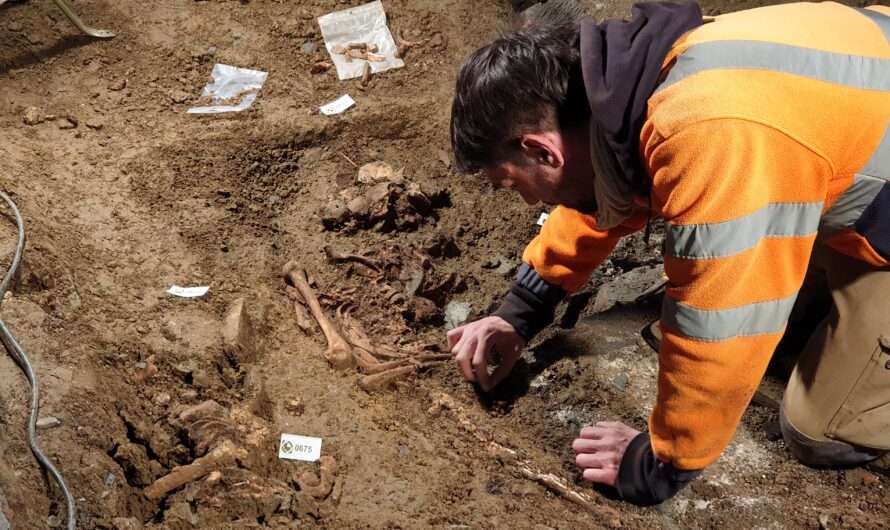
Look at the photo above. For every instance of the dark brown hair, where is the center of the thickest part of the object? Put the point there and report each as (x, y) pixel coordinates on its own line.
(525, 81)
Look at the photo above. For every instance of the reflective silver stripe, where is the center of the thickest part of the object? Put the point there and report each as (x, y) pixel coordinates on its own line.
(717, 325)
(849, 207)
(849, 70)
(882, 20)
(865, 187)
(718, 240)
(879, 163)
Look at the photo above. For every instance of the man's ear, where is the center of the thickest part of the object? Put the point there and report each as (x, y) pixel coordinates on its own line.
(544, 148)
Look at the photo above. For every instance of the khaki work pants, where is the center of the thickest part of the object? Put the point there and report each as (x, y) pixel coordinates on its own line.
(836, 409)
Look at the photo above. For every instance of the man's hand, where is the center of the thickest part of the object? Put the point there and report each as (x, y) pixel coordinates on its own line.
(472, 344)
(600, 450)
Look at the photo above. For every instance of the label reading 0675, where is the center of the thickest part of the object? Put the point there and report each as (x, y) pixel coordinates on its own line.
(295, 447)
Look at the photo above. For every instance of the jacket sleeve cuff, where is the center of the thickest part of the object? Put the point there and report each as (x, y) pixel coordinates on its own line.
(531, 303)
(645, 480)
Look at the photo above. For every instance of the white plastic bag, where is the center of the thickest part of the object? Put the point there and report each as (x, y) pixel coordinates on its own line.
(228, 82)
(366, 23)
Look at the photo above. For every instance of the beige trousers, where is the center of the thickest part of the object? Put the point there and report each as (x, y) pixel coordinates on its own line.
(836, 408)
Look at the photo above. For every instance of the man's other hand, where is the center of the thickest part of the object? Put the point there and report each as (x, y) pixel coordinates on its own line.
(473, 343)
(600, 449)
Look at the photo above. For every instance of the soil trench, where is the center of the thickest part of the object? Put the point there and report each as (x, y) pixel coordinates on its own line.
(170, 409)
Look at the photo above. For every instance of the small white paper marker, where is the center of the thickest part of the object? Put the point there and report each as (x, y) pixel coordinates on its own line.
(543, 218)
(337, 106)
(188, 292)
(293, 447)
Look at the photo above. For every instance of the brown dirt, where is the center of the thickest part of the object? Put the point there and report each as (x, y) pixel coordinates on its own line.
(139, 196)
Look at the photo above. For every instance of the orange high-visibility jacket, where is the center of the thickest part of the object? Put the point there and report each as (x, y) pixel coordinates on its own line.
(768, 133)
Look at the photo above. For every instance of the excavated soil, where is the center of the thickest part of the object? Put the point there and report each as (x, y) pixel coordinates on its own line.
(124, 195)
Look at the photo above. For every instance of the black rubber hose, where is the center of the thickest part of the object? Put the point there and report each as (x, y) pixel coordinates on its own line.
(16, 352)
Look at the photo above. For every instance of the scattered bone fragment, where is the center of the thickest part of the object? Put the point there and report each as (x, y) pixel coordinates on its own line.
(207, 409)
(336, 255)
(338, 353)
(383, 380)
(222, 456)
(376, 58)
(146, 370)
(375, 172)
(357, 46)
(321, 485)
(303, 321)
(552, 482)
(366, 74)
(337, 49)
(320, 67)
(373, 48)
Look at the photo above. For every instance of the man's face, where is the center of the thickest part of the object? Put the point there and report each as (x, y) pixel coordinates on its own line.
(552, 168)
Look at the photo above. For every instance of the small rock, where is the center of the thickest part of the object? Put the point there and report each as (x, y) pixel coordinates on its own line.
(67, 123)
(620, 381)
(456, 313)
(309, 47)
(209, 408)
(60, 89)
(599, 7)
(33, 116)
(238, 336)
(53, 521)
(48, 422)
(860, 477)
(184, 370)
(201, 379)
(111, 479)
(350, 426)
(505, 266)
(94, 123)
(403, 451)
(14, 26)
(420, 309)
(179, 96)
(444, 157)
(118, 85)
(162, 399)
(436, 41)
(126, 523)
(492, 263)
(823, 522)
(295, 407)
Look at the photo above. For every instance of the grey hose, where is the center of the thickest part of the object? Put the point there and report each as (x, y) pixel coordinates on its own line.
(16, 352)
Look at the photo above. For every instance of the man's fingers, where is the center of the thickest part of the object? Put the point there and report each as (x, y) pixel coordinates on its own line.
(503, 370)
(454, 337)
(480, 365)
(601, 476)
(593, 433)
(586, 445)
(464, 360)
(589, 460)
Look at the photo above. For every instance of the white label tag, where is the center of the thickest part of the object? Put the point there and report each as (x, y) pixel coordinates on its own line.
(337, 106)
(188, 292)
(543, 218)
(293, 447)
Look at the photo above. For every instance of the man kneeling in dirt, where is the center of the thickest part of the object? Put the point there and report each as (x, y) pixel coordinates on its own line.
(761, 140)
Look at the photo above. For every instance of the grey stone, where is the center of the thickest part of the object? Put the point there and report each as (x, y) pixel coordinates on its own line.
(620, 381)
(48, 422)
(456, 313)
(111, 479)
(625, 288)
(309, 47)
